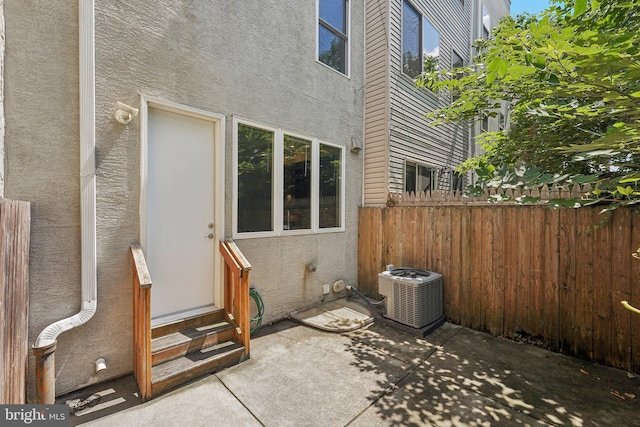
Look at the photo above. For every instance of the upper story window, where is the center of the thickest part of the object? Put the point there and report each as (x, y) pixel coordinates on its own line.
(411, 30)
(484, 122)
(333, 30)
(486, 23)
(419, 178)
(420, 42)
(285, 183)
(456, 63)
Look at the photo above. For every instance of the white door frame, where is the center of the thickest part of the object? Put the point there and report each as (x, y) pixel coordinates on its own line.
(218, 121)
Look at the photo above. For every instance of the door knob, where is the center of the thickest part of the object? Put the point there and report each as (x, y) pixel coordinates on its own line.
(209, 236)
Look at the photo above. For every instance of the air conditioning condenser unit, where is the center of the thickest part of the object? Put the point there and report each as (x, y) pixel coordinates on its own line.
(413, 297)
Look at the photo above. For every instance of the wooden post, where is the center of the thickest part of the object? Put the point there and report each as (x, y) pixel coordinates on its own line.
(15, 228)
(141, 322)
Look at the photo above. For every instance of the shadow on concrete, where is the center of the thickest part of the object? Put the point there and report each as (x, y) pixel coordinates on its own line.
(463, 377)
(115, 396)
(119, 394)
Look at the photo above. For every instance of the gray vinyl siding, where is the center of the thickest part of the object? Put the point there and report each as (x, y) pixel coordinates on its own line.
(396, 129)
(376, 103)
(412, 136)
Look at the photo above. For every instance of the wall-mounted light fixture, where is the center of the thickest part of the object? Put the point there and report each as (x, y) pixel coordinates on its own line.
(356, 144)
(124, 113)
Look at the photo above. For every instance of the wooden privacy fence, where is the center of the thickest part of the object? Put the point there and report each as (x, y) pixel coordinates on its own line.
(525, 270)
(15, 229)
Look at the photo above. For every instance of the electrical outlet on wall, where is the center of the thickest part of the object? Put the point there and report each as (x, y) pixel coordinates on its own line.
(325, 289)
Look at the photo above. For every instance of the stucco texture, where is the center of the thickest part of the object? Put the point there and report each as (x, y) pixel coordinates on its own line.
(251, 59)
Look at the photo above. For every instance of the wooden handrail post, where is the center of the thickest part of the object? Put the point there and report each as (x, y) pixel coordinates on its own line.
(236, 289)
(141, 322)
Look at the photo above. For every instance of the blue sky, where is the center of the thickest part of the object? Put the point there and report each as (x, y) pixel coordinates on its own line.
(531, 6)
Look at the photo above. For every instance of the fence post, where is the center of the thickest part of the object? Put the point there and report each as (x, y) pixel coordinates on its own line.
(15, 229)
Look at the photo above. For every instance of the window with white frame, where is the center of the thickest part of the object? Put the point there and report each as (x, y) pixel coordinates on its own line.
(333, 30)
(420, 42)
(419, 178)
(285, 183)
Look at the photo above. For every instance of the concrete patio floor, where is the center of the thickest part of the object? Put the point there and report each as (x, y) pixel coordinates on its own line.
(379, 376)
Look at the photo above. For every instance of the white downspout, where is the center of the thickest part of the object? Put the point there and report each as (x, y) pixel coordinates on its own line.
(49, 335)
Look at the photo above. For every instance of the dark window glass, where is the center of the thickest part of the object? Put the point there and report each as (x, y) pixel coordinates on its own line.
(410, 178)
(332, 50)
(426, 179)
(297, 183)
(255, 179)
(484, 123)
(330, 186)
(411, 41)
(456, 62)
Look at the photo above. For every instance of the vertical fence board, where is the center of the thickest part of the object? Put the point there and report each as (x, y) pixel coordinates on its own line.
(390, 236)
(439, 241)
(15, 229)
(466, 256)
(429, 238)
(621, 289)
(511, 225)
(370, 250)
(421, 242)
(550, 278)
(453, 284)
(477, 234)
(584, 283)
(485, 273)
(444, 265)
(537, 313)
(602, 308)
(567, 267)
(409, 236)
(496, 320)
(524, 271)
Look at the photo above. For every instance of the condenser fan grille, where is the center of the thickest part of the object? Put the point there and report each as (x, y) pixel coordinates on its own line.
(417, 306)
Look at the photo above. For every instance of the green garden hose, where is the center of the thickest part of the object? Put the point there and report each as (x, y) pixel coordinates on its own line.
(256, 321)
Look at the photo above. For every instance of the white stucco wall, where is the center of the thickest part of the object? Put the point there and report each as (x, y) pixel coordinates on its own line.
(253, 59)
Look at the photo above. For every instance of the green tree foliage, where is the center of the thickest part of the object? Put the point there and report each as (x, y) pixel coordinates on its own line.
(572, 78)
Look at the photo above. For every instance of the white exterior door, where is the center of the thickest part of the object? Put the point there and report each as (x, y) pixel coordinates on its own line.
(180, 211)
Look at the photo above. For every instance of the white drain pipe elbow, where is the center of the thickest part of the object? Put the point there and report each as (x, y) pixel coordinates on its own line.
(49, 335)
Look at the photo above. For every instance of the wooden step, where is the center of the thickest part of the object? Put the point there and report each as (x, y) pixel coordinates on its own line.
(181, 370)
(179, 344)
(214, 316)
